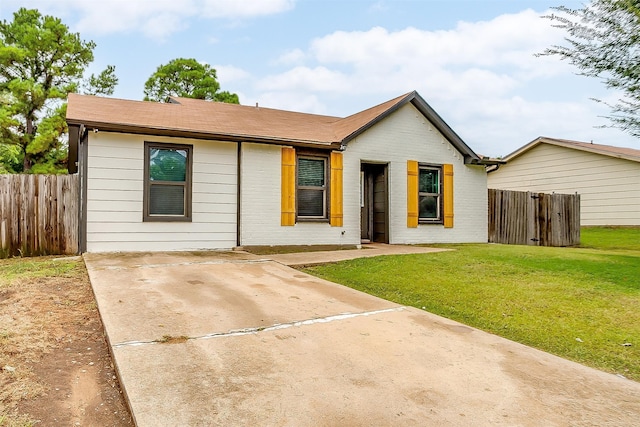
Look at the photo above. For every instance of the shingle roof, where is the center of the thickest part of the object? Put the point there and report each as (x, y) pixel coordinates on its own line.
(214, 120)
(606, 150)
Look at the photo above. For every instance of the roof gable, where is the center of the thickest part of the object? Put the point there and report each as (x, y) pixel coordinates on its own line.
(605, 150)
(352, 126)
(194, 118)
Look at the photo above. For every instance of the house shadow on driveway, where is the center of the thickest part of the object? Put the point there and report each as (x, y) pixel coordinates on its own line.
(238, 339)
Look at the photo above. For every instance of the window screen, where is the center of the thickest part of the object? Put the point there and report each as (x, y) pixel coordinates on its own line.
(166, 200)
(312, 187)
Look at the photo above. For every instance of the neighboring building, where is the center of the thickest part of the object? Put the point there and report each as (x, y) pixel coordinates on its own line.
(607, 178)
(194, 174)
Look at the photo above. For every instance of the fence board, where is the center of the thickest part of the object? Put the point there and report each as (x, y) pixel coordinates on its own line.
(38, 215)
(525, 218)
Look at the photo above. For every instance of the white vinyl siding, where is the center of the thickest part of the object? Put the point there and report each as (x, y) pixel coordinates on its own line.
(609, 187)
(115, 197)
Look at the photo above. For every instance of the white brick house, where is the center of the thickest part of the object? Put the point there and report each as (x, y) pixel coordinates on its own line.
(194, 174)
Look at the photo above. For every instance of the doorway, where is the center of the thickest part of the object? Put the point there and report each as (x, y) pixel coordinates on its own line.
(374, 203)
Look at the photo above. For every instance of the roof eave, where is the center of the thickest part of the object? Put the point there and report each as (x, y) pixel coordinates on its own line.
(469, 155)
(593, 150)
(182, 133)
(485, 161)
(528, 146)
(546, 140)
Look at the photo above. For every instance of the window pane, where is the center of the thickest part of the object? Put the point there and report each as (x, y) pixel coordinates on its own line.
(429, 181)
(311, 203)
(167, 164)
(166, 200)
(428, 207)
(311, 172)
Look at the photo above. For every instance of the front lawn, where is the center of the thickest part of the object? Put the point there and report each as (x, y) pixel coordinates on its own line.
(55, 366)
(579, 303)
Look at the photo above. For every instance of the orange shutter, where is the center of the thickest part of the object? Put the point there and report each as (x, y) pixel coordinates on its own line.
(288, 192)
(412, 193)
(335, 217)
(448, 195)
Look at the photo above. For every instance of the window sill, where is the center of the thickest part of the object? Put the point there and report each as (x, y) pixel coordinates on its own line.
(312, 220)
(166, 219)
(432, 222)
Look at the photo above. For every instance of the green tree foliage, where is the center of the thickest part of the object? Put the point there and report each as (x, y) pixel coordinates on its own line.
(10, 159)
(604, 41)
(102, 84)
(41, 62)
(186, 78)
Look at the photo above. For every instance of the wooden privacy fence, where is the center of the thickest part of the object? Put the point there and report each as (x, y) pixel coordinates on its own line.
(38, 215)
(526, 218)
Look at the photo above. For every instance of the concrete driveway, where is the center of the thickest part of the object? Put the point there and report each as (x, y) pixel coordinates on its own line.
(233, 339)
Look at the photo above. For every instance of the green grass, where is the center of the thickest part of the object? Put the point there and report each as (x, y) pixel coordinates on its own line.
(28, 268)
(579, 303)
(616, 238)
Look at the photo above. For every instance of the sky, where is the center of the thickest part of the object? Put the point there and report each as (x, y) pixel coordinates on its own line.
(473, 61)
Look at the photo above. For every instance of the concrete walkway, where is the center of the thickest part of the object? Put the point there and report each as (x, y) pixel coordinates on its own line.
(224, 339)
(368, 250)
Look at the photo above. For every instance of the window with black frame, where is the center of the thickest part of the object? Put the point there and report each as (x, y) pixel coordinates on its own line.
(430, 194)
(311, 187)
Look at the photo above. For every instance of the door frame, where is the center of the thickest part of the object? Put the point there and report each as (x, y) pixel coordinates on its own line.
(369, 170)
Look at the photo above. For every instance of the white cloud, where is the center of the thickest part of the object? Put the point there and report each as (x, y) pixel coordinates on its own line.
(245, 8)
(497, 126)
(482, 77)
(294, 56)
(508, 40)
(318, 79)
(292, 101)
(159, 26)
(156, 19)
(229, 73)
(487, 58)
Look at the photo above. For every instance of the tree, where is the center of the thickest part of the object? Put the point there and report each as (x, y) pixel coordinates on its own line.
(41, 62)
(11, 159)
(102, 84)
(604, 42)
(187, 78)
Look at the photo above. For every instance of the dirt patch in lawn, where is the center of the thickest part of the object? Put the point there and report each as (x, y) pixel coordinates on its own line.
(55, 366)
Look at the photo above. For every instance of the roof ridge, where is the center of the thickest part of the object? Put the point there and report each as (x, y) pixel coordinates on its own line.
(630, 154)
(603, 147)
(248, 107)
(355, 122)
(392, 101)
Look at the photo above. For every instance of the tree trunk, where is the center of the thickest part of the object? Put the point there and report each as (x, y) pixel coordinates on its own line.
(26, 161)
